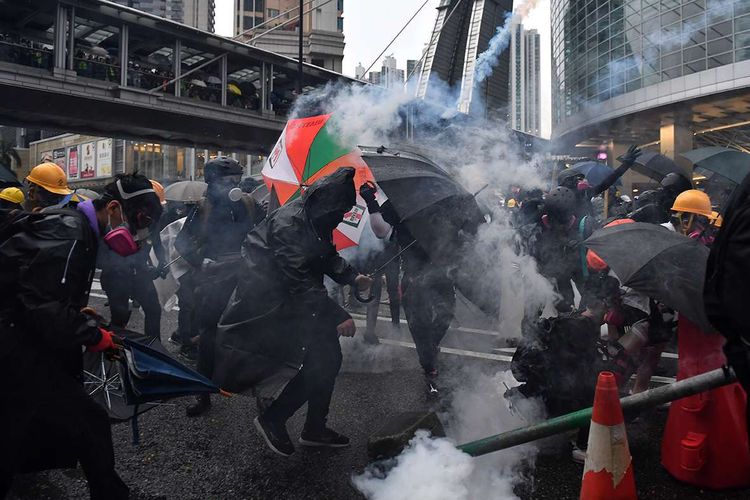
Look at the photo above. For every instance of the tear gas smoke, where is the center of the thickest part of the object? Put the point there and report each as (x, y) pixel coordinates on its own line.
(433, 469)
(487, 60)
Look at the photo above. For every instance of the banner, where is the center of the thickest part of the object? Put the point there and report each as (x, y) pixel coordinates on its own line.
(73, 162)
(58, 157)
(104, 158)
(88, 160)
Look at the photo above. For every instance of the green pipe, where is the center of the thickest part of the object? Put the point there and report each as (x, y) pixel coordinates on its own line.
(653, 397)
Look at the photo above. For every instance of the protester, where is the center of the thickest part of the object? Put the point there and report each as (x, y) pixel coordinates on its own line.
(654, 206)
(47, 420)
(692, 215)
(559, 361)
(280, 306)
(210, 243)
(728, 285)
(428, 289)
(47, 187)
(11, 201)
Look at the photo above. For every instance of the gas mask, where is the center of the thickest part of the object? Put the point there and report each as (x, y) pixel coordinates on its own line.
(119, 239)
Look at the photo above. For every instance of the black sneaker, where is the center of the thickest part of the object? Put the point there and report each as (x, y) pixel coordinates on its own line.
(275, 436)
(326, 438)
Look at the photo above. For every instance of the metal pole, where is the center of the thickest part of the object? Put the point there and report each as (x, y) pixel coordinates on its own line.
(654, 397)
(300, 69)
(124, 50)
(72, 39)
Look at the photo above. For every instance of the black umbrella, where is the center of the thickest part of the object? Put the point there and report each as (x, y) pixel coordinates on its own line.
(728, 163)
(657, 166)
(8, 178)
(657, 262)
(439, 213)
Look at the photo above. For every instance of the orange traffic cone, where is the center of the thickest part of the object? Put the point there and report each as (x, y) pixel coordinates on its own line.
(608, 472)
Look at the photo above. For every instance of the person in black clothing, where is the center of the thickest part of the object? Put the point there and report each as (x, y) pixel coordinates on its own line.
(428, 290)
(560, 361)
(655, 206)
(210, 243)
(47, 420)
(123, 278)
(391, 273)
(281, 315)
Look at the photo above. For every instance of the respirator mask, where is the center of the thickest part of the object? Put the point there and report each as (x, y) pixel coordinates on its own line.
(120, 239)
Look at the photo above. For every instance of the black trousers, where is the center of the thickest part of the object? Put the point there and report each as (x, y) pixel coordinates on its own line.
(120, 287)
(429, 304)
(391, 273)
(50, 422)
(211, 297)
(186, 327)
(314, 383)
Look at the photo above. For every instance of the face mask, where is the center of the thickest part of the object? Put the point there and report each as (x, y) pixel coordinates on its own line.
(119, 239)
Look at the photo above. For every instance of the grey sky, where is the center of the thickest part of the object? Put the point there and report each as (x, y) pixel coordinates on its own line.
(370, 24)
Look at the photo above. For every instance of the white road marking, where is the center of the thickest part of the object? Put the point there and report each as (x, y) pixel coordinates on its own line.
(450, 350)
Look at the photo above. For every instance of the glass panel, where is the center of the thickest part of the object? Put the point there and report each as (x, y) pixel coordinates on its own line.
(742, 39)
(204, 83)
(243, 84)
(720, 30)
(719, 46)
(96, 50)
(18, 50)
(694, 53)
(719, 60)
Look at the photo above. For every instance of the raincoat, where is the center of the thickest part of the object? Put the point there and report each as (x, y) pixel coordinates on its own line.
(280, 290)
(47, 420)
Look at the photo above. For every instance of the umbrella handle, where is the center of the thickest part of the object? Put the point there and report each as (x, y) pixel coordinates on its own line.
(362, 299)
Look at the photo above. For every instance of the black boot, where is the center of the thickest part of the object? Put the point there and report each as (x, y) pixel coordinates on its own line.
(202, 404)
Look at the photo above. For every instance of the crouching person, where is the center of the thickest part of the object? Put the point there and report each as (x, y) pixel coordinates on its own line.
(47, 420)
(280, 314)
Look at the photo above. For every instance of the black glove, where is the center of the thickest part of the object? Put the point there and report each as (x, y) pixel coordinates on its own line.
(367, 192)
(630, 155)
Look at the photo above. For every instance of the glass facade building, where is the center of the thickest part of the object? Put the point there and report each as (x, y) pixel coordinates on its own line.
(602, 49)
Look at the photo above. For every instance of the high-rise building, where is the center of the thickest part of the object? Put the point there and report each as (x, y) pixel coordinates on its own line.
(672, 74)
(525, 83)
(197, 13)
(359, 72)
(463, 29)
(374, 77)
(273, 23)
(390, 75)
(412, 68)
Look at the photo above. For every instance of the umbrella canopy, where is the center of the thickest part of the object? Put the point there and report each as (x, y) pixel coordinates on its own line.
(198, 83)
(439, 213)
(185, 191)
(306, 151)
(234, 89)
(728, 163)
(657, 262)
(214, 80)
(594, 171)
(99, 51)
(149, 374)
(7, 177)
(657, 166)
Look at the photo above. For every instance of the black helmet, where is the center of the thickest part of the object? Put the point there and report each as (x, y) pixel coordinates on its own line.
(221, 167)
(676, 183)
(560, 203)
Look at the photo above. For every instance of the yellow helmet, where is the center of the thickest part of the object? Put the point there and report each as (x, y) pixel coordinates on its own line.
(511, 203)
(12, 194)
(51, 177)
(694, 202)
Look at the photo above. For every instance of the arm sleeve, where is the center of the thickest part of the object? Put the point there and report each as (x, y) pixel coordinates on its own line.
(49, 313)
(186, 242)
(379, 226)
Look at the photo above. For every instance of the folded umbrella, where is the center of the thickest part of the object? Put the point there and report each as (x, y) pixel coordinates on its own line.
(657, 262)
(149, 374)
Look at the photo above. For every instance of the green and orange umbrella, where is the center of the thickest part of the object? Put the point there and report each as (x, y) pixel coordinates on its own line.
(308, 150)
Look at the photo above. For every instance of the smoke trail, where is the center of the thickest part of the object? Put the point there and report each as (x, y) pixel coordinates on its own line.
(487, 60)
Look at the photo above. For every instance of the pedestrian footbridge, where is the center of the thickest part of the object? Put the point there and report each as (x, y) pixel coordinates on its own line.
(99, 68)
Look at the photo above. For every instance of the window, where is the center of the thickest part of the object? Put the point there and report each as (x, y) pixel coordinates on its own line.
(340, 5)
(719, 46)
(340, 23)
(248, 5)
(273, 13)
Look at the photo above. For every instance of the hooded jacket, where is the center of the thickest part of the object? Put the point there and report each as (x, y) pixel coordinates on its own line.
(280, 292)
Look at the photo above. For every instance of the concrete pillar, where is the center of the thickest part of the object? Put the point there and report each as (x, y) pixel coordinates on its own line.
(675, 137)
(177, 67)
(223, 70)
(190, 162)
(60, 37)
(71, 39)
(124, 33)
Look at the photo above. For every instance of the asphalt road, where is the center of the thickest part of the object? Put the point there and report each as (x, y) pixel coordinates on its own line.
(220, 456)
